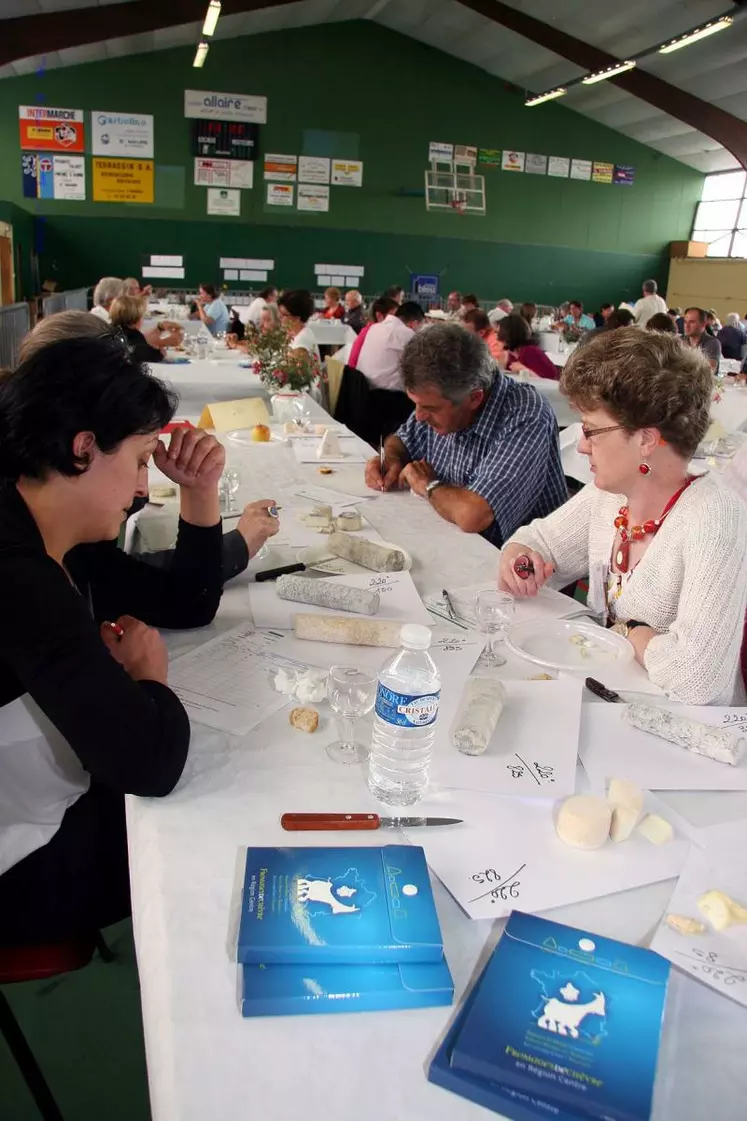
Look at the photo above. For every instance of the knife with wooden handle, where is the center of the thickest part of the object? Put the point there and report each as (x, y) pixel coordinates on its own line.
(335, 822)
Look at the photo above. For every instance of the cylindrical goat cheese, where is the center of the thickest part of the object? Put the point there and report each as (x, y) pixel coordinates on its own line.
(379, 558)
(352, 632)
(480, 710)
(723, 745)
(323, 593)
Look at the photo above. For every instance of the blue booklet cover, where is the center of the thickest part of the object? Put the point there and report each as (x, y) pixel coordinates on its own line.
(282, 990)
(338, 905)
(571, 1014)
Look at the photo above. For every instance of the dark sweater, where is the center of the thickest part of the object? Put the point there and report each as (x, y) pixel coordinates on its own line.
(141, 348)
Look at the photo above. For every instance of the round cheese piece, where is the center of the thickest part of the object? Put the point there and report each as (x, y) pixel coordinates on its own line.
(584, 821)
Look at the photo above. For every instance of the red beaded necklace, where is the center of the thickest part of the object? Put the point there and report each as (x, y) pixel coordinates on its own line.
(637, 532)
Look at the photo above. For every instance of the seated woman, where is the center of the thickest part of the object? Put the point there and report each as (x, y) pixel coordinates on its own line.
(86, 714)
(665, 551)
(295, 309)
(476, 321)
(515, 343)
(126, 313)
(333, 307)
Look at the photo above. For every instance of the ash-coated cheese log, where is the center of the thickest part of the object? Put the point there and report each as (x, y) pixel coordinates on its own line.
(340, 597)
(379, 558)
(352, 632)
(723, 745)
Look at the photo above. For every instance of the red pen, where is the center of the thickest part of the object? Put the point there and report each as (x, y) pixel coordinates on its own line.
(116, 629)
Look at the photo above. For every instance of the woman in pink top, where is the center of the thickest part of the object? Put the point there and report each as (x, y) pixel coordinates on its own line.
(380, 309)
(476, 321)
(515, 337)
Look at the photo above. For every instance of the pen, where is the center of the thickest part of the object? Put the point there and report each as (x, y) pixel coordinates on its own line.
(449, 604)
(382, 461)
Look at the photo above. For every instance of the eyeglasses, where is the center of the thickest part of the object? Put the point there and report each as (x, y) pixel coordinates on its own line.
(589, 432)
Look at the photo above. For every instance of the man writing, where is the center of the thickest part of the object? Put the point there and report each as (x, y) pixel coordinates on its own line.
(696, 335)
(482, 449)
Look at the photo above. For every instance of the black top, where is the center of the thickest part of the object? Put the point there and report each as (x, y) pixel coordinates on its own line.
(355, 318)
(131, 736)
(142, 349)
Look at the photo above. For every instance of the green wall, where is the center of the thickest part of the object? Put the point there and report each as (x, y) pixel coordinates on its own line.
(384, 97)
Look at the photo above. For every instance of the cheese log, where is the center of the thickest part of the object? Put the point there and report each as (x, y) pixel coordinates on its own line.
(480, 711)
(379, 558)
(584, 821)
(723, 745)
(352, 632)
(340, 597)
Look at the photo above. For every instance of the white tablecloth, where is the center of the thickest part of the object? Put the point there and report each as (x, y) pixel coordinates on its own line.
(187, 857)
(203, 381)
(731, 410)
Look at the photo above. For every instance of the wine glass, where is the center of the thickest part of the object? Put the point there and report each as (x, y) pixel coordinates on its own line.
(230, 481)
(351, 693)
(494, 612)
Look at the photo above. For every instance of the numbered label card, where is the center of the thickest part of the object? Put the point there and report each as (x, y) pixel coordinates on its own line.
(718, 958)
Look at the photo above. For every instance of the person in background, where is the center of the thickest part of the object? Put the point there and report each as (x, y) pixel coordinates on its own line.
(469, 303)
(500, 311)
(517, 352)
(482, 449)
(396, 292)
(269, 318)
(576, 317)
(696, 335)
(661, 322)
(476, 321)
(333, 308)
(528, 311)
(295, 308)
(620, 317)
(211, 310)
(713, 324)
(355, 316)
(266, 297)
(675, 314)
(85, 705)
(107, 289)
(380, 309)
(236, 329)
(132, 287)
(380, 356)
(126, 313)
(603, 314)
(454, 305)
(653, 538)
(732, 337)
(649, 304)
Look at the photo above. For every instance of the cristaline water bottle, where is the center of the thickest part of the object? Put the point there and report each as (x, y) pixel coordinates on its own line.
(404, 725)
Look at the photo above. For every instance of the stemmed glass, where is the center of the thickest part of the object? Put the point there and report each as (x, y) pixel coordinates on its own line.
(494, 612)
(230, 481)
(351, 693)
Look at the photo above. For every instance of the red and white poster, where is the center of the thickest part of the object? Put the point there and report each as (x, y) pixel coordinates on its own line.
(44, 129)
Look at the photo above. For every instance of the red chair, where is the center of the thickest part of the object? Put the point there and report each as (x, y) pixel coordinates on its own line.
(36, 963)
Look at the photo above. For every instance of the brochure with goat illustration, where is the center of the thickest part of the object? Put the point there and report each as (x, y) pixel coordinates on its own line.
(568, 1015)
(338, 906)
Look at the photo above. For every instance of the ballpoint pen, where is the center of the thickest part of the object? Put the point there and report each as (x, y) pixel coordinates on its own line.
(449, 605)
(382, 461)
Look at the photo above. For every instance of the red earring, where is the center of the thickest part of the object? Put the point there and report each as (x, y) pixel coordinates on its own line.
(644, 469)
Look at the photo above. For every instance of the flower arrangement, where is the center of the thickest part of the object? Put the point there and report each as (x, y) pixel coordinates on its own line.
(572, 333)
(280, 368)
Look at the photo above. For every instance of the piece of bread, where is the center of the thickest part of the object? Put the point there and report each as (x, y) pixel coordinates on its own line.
(305, 719)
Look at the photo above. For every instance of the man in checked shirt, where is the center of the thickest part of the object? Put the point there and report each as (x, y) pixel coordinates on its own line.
(481, 448)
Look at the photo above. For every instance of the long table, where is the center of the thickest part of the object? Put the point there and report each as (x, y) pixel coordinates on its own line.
(186, 859)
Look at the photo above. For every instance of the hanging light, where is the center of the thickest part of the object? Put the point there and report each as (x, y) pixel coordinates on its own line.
(610, 72)
(211, 18)
(549, 96)
(201, 54)
(699, 33)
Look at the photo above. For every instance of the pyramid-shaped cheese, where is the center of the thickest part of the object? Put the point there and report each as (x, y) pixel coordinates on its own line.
(329, 448)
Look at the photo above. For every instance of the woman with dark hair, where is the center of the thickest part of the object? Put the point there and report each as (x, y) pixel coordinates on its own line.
(515, 338)
(86, 714)
(295, 309)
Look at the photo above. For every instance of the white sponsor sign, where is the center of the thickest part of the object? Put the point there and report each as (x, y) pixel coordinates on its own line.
(69, 176)
(313, 169)
(168, 261)
(246, 263)
(313, 197)
(224, 173)
(46, 113)
(225, 106)
(122, 134)
(222, 201)
(347, 173)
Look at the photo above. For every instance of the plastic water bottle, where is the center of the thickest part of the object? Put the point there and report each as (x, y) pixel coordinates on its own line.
(407, 699)
(203, 342)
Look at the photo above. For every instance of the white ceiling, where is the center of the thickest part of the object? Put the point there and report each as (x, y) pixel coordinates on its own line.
(713, 70)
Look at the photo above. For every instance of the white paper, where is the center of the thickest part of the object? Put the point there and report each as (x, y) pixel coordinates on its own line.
(325, 280)
(547, 604)
(223, 173)
(281, 167)
(226, 683)
(580, 169)
(252, 274)
(338, 280)
(350, 270)
(223, 201)
(313, 169)
(158, 259)
(230, 274)
(443, 153)
(559, 166)
(329, 496)
(68, 177)
(347, 173)
(351, 281)
(611, 747)
(280, 194)
(121, 134)
(533, 751)
(353, 450)
(717, 958)
(245, 263)
(535, 164)
(171, 271)
(507, 855)
(400, 602)
(313, 197)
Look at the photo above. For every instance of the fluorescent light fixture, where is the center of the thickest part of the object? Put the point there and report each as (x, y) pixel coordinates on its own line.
(699, 33)
(211, 18)
(201, 54)
(610, 72)
(540, 97)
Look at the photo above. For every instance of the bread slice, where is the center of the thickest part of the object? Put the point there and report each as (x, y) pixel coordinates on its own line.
(305, 719)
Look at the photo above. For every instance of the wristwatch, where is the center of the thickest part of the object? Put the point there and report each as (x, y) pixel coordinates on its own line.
(625, 628)
(431, 486)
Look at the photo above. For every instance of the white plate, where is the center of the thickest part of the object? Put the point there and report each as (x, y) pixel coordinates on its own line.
(549, 643)
(316, 557)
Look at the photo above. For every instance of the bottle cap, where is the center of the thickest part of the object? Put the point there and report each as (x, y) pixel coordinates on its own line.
(415, 637)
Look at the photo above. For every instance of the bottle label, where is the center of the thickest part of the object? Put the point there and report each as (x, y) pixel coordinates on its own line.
(406, 710)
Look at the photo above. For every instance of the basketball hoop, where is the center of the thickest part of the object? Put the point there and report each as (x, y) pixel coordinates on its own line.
(459, 204)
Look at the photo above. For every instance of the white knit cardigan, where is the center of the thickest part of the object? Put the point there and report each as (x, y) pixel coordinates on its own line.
(690, 584)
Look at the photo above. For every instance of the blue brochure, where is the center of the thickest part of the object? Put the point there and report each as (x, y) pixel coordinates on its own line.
(282, 990)
(338, 905)
(570, 1015)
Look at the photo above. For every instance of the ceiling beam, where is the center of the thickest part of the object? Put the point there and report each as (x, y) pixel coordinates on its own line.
(709, 119)
(30, 36)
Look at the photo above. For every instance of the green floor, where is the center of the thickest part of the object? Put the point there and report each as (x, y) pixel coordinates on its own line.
(85, 1031)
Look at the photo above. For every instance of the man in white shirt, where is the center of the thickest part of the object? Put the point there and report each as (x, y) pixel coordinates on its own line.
(266, 297)
(379, 359)
(651, 304)
(107, 289)
(500, 311)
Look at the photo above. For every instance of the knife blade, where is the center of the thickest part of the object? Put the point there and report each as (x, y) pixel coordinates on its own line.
(602, 691)
(287, 569)
(336, 822)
